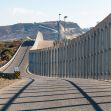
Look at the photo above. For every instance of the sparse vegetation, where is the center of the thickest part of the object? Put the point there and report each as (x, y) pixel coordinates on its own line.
(60, 42)
(7, 54)
(7, 50)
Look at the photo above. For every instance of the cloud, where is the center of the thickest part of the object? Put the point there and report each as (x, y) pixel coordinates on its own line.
(23, 11)
(28, 15)
(23, 15)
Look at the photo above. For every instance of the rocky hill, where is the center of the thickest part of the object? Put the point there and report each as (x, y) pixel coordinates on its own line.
(49, 29)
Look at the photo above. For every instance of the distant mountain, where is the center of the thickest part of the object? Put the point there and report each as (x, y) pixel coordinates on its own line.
(86, 29)
(49, 30)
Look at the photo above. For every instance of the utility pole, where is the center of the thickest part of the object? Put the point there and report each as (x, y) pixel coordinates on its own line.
(59, 26)
(65, 26)
(64, 22)
(59, 17)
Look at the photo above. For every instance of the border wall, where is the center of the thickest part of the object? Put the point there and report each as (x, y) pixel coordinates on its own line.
(87, 56)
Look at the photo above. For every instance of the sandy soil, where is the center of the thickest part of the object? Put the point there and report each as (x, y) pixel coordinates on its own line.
(6, 82)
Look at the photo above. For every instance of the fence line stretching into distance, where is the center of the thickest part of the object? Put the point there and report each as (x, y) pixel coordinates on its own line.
(87, 56)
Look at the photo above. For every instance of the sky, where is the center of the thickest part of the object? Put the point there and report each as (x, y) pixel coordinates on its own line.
(84, 12)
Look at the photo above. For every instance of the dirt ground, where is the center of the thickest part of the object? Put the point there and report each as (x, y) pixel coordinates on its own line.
(6, 82)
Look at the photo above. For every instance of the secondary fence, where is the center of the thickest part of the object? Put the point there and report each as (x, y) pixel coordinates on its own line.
(15, 75)
(87, 56)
